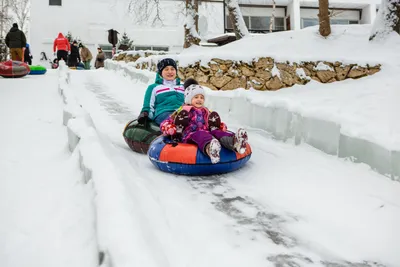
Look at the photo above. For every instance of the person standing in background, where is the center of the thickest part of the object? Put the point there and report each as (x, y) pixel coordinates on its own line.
(62, 46)
(16, 41)
(86, 56)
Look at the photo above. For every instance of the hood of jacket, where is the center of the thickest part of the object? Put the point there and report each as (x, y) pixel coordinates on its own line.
(60, 35)
(14, 29)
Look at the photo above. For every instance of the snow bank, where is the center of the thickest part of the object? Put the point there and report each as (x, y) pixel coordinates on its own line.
(115, 233)
(309, 117)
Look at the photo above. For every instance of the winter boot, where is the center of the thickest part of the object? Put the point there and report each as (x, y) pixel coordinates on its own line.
(240, 141)
(228, 142)
(214, 121)
(181, 121)
(213, 149)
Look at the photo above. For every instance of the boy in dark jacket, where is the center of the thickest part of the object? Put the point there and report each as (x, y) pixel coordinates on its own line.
(16, 40)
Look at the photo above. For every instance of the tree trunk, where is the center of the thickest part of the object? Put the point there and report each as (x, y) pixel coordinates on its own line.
(324, 21)
(272, 21)
(235, 15)
(191, 26)
(387, 20)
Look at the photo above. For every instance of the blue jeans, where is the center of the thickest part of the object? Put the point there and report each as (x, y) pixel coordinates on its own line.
(161, 117)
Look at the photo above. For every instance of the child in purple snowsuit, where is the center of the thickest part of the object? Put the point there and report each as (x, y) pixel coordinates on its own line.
(204, 128)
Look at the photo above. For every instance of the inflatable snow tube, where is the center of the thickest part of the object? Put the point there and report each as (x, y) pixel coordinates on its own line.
(139, 136)
(13, 69)
(37, 70)
(187, 159)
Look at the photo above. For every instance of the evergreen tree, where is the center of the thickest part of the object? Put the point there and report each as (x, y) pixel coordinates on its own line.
(125, 43)
(69, 37)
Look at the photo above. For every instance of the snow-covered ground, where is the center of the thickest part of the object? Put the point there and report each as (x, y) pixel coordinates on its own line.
(47, 216)
(289, 206)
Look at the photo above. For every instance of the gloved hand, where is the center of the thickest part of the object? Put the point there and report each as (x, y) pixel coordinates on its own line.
(55, 54)
(168, 129)
(143, 117)
(223, 127)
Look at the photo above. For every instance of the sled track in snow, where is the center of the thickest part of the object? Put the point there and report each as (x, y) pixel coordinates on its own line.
(262, 222)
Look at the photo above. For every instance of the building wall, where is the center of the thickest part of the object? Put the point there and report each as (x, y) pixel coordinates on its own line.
(90, 19)
(368, 14)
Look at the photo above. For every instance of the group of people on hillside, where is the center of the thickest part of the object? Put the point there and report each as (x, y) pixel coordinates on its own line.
(72, 56)
(181, 114)
(20, 50)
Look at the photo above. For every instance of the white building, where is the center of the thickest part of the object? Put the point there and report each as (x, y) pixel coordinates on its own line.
(89, 20)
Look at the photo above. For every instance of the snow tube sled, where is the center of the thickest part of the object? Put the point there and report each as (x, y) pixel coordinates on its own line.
(37, 70)
(13, 69)
(187, 159)
(139, 136)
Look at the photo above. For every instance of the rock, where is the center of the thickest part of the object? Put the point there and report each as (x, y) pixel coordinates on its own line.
(309, 65)
(325, 75)
(264, 63)
(214, 66)
(257, 83)
(341, 72)
(217, 60)
(223, 67)
(306, 71)
(201, 77)
(263, 74)
(233, 72)
(331, 80)
(120, 57)
(287, 78)
(209, 85)
(181, 75)
(274, 84)
(220, 81)
(315, 78)
(205, 69)
(235, 83)
(357, 72)
(373, 70)
(246, 71)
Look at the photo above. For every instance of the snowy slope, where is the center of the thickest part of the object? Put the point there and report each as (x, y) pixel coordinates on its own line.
(291, 204)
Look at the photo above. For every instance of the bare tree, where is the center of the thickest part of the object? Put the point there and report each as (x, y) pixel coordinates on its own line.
(239, 26)
(272, 21)
(20, 9)
(324, 20)
(192, 36)
(387, 20)
(5, 17)
(145, 10)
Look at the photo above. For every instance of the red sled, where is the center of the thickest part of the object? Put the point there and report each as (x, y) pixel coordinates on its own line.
(13, 69)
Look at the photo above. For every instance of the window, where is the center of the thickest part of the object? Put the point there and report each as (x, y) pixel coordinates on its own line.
(160, 48)
(55, 3)
(309, 22)
(279, 24)
(258, 24)
(229, 24)
(142, 47)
